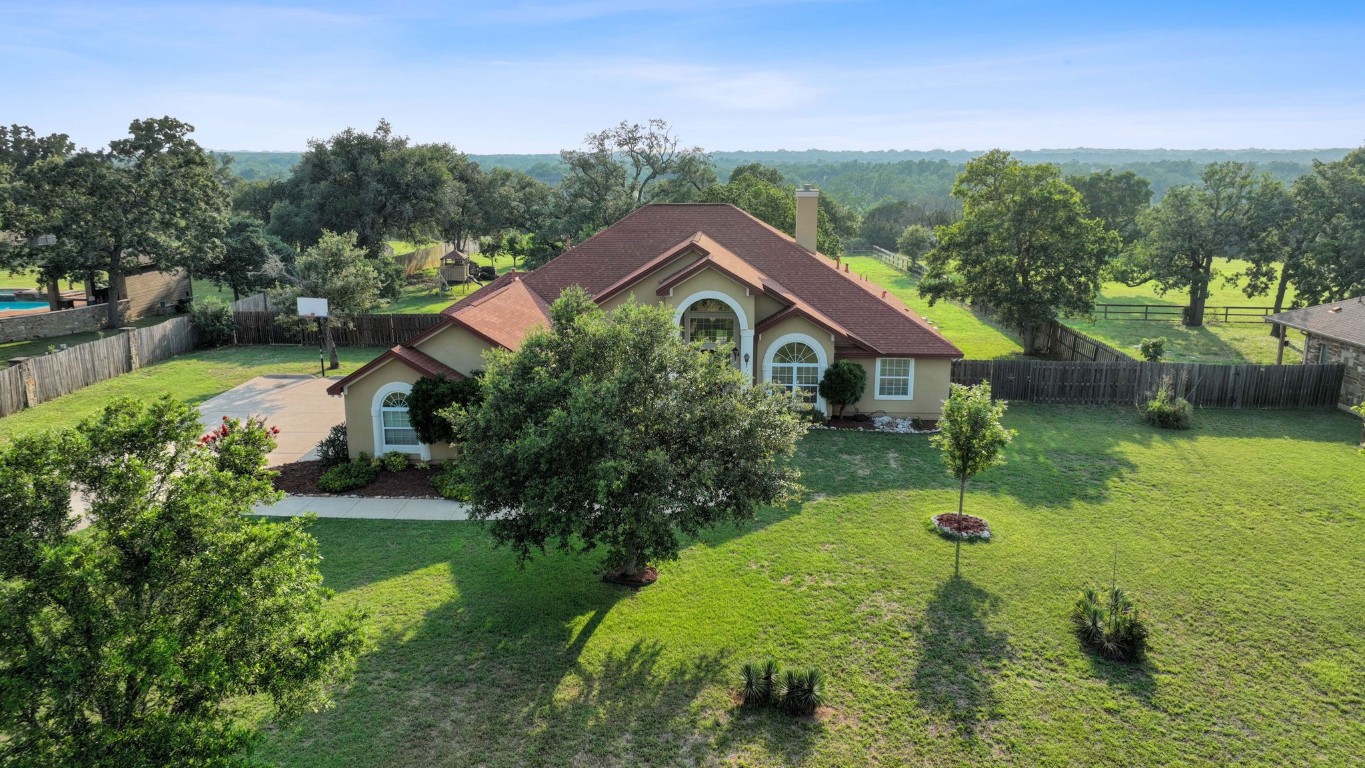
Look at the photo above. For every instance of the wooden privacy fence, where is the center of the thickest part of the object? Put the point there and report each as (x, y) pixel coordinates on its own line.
(1132, 382)
(358, 331)
(34, 380)
(1059, 342)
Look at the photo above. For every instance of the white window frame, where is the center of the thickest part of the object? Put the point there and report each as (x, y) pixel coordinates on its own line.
(377, 412)
(821, 360)
(910, 388)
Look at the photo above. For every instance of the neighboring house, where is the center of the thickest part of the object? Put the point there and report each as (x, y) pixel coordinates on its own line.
(730, 278)
(1335, 334)
(149, 291)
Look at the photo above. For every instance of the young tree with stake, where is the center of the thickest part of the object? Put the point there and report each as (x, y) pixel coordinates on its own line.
(971, 438)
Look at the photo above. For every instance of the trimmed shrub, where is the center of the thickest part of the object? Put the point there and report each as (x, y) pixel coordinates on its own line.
(843, 384)
(1110, 625)
(759, 682)
(802, 691)
(1167, 411)
(213, 324)
(448, 484)
(239, 446)
(429, 397)
(394, 461)
(1153, 349)
(348, 477)
(334, 449)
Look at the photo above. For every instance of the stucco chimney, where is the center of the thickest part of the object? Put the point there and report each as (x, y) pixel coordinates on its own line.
(807, 215)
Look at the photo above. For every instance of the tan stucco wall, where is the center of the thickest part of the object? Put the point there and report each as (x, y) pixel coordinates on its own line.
(932, 377)
(456, 347)
(360, 405)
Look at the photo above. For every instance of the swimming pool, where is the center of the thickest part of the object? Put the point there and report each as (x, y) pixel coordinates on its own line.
(10, 305)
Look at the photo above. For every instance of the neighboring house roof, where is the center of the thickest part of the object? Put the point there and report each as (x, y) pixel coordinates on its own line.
(413, 358)
(1342, 321)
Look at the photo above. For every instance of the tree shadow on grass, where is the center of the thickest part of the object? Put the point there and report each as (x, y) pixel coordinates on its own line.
(959, 656)
(1134, 680)
(512, 671)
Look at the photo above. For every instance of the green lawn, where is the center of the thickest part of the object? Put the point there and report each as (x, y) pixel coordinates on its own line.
(193, 377)
(1241, 539)
(1212, 343)
(420, 298)
(978, 339)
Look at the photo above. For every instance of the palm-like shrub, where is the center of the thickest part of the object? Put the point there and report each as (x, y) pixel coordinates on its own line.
(1110, 625)
(759, 682)
(802, 691)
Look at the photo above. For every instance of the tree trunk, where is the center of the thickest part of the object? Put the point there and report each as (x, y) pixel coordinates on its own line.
(235, 295)
(957, 551)
(1029, 332)
(54, 294)
(632, 565)
(114, 274)
(1275, 329)
(1199, 297)
(333, 361)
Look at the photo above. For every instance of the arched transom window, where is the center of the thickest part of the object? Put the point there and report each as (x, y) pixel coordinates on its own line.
(398, 431)
(796, 368)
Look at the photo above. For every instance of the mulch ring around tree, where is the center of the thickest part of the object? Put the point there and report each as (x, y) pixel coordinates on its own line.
(647, 575)
(301, 479)
(955, 526)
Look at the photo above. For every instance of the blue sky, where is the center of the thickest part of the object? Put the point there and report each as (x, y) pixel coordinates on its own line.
(536, 76)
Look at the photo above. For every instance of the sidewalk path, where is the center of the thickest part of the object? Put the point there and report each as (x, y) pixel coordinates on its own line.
(366, 509)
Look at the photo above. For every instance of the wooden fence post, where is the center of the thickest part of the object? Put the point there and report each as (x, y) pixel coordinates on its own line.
(134, 354)
(30, 382)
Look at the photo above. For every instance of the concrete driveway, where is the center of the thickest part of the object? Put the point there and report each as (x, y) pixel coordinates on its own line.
(297, 404)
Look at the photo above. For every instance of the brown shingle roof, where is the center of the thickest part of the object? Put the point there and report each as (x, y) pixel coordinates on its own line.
(415, 359)
(502, 312)
(811, 280)
(1340, 320)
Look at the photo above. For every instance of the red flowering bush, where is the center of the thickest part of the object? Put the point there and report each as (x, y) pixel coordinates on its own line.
(239, 446)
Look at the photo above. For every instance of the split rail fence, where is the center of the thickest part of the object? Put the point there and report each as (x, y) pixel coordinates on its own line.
(1132, 382)
(34, 380)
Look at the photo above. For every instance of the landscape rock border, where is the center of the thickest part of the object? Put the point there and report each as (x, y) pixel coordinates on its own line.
(949, 524)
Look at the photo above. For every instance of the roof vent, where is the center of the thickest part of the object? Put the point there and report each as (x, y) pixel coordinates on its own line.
(1334, 309)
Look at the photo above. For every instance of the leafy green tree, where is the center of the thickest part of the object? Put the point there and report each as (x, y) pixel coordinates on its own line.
(883, 224)
(1311, 235)
(760, 172)
(972, 436)
(372, 184)
(248, 250)
(122, 644)
(776, 205)
(1117, 199)
(335, 269)
(255, 199)
(915, 241)
(843, 384)
(1026, 246)
(154, 197)
(431, 396)
(610, 430)
(1191, 227)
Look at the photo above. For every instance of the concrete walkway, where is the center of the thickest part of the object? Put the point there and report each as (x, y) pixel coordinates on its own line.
(366, 509)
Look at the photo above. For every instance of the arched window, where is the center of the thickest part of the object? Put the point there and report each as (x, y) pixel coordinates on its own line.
(398, 431)
(796, 368)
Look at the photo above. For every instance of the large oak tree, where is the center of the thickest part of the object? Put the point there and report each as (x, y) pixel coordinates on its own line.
(1026, 245)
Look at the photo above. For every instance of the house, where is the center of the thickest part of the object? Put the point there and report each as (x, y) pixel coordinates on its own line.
(1335, 334)
(149, 290)
(731, 279)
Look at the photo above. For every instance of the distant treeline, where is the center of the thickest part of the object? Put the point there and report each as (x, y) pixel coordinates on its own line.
(862, 180)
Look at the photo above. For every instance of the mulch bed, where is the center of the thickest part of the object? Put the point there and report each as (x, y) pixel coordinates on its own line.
(301, 479)
(647, 575)
(965, 526)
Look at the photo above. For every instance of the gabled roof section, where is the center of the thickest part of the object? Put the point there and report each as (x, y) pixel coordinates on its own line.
(502, 312)
(1342, 321)
(619, 255)
(413, 358)
(718, 257)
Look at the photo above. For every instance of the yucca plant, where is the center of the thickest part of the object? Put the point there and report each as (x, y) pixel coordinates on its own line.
(802, 691)
(759, 681)
(1110, 625)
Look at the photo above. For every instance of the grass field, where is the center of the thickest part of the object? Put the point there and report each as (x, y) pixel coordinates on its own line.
(193, 377)
(977, 338)
(1211, 343)
(1241, 539)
